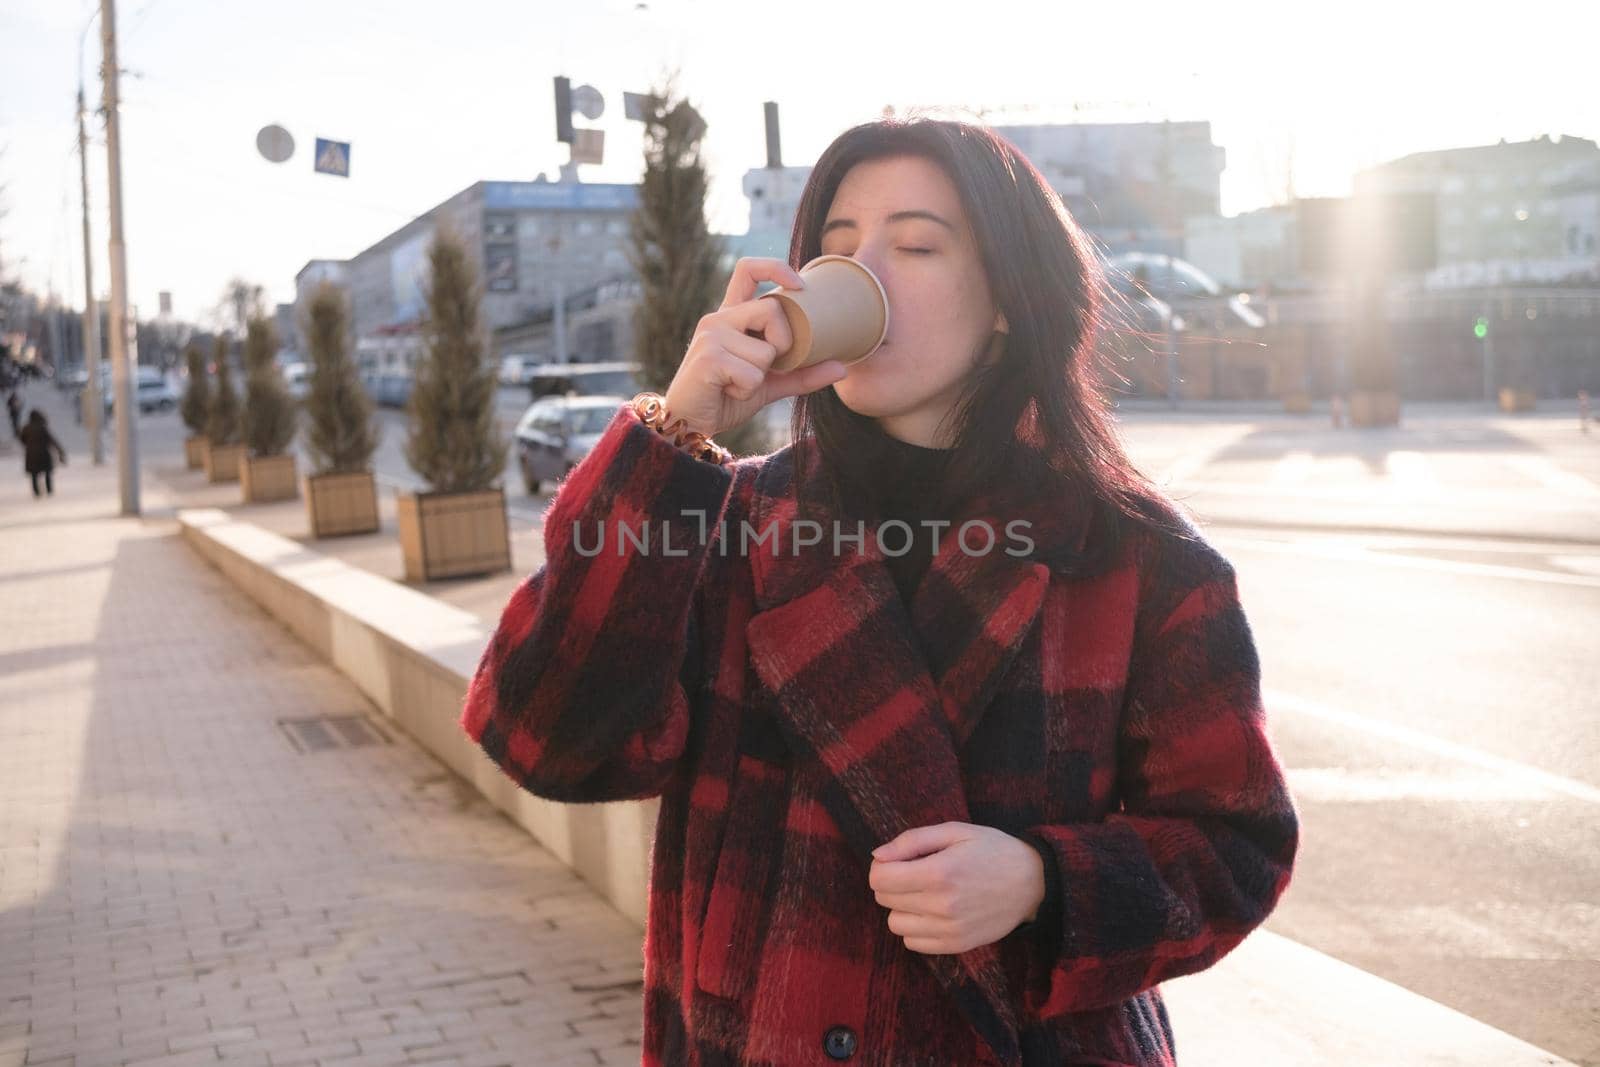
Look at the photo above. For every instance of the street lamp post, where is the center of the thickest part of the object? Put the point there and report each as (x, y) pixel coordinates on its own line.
(121, 373)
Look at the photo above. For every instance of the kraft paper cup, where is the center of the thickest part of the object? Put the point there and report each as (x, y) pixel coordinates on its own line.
(842, 313)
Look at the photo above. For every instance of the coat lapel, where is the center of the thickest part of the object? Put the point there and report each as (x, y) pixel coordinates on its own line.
(883, 697)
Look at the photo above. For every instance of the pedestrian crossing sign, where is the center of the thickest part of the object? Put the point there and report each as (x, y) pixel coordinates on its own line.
(333, 157)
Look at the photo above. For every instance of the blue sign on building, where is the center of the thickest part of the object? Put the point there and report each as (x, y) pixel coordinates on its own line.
(333, 157)
(559, 196)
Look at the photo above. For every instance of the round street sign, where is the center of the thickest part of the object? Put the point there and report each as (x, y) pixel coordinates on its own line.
(275, 144)
(588, 101)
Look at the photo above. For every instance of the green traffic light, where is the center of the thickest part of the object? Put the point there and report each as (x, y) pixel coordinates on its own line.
(1480, 329)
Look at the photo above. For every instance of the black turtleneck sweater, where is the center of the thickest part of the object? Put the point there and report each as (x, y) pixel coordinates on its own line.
(906, 484)
(905, 489)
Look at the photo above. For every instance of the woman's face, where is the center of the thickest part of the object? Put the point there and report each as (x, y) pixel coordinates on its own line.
(902, 218)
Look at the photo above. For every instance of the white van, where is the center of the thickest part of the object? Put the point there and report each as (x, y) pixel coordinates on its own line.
(516, 369)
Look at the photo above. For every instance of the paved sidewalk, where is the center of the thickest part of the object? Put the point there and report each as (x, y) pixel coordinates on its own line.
(180, 884)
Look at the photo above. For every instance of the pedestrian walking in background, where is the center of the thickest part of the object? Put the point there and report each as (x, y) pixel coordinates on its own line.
(962, 804)
(14, 410)
(39, 451)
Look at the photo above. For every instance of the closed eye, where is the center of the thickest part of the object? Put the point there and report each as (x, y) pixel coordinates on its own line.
(914, 251)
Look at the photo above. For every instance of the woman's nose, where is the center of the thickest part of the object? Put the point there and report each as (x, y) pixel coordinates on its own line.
(873, 260)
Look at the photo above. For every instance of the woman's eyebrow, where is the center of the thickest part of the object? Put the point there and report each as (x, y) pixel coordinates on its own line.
(898, 216)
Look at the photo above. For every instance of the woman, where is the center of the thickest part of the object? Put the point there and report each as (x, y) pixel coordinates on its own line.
(38, 444)
(942, 806)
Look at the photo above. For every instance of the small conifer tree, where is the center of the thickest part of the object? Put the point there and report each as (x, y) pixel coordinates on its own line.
(676, 255)
(222, 416)
(341, 433)
(197, 394)
(453, 441)
(269, 414)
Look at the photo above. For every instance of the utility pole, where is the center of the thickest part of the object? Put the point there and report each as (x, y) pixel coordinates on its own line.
(94, 406)
(559, 325)
(121, 373)
(1485, 332)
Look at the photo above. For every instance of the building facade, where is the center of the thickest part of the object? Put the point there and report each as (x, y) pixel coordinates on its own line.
(1131, 185)
(528, 240)
(1524, 212)
(774, 197)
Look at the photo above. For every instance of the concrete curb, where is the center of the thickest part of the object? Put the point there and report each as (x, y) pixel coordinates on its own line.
(1275, 1001)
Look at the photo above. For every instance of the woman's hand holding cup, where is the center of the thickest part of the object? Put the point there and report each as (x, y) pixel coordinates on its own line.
(726, 375)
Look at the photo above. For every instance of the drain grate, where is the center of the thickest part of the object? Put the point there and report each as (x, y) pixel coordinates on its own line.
(323, 732)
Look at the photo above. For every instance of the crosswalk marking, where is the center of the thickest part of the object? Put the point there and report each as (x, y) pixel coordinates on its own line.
(1193, 460)
(1343, 785)
(1406, 474)
(1351, 551)
(1581, 564)
(1293, 468)
(1410, 472)
(1542, 470)
(1520, 774)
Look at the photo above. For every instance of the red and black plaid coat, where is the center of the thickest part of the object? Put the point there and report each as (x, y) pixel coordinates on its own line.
(793, 713)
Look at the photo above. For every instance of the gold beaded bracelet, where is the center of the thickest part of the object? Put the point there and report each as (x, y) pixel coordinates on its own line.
(652, 411)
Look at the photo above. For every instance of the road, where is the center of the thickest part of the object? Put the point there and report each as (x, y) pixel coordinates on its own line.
(1433, 695)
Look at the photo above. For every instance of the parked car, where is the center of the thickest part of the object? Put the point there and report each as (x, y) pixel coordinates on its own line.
(556, 432)
(156, 394)
(153, 391)
(1173, 288)
(389, 389)
(585, 379)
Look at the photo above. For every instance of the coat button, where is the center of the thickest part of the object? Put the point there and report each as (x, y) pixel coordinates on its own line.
(839, 1042)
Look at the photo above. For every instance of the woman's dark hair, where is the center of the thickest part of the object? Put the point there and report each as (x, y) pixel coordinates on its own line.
(1046, 280)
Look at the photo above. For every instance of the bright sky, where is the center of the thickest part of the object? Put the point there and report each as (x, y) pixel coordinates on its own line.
(436, 96)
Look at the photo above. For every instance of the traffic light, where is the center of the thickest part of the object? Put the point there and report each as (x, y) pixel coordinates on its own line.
(1480, 329)
(564, 110)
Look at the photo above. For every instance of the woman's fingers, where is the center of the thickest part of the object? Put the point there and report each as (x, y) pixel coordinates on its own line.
(923, 903)
(741, 379)
(782, 383)
(753, 350)
(760, 316)
(723, 379)
(910, 924)
(750, 271)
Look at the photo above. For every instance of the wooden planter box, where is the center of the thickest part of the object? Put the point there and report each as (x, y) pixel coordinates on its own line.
(222, 462)
(1517, 399)
(1374, 408)
(450, 535)
(1297, 403)
(341, 504)
(268, 478)
(194, 452)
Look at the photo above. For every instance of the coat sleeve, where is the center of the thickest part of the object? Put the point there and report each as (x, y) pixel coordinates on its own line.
(583, 692)
(1204, 841)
